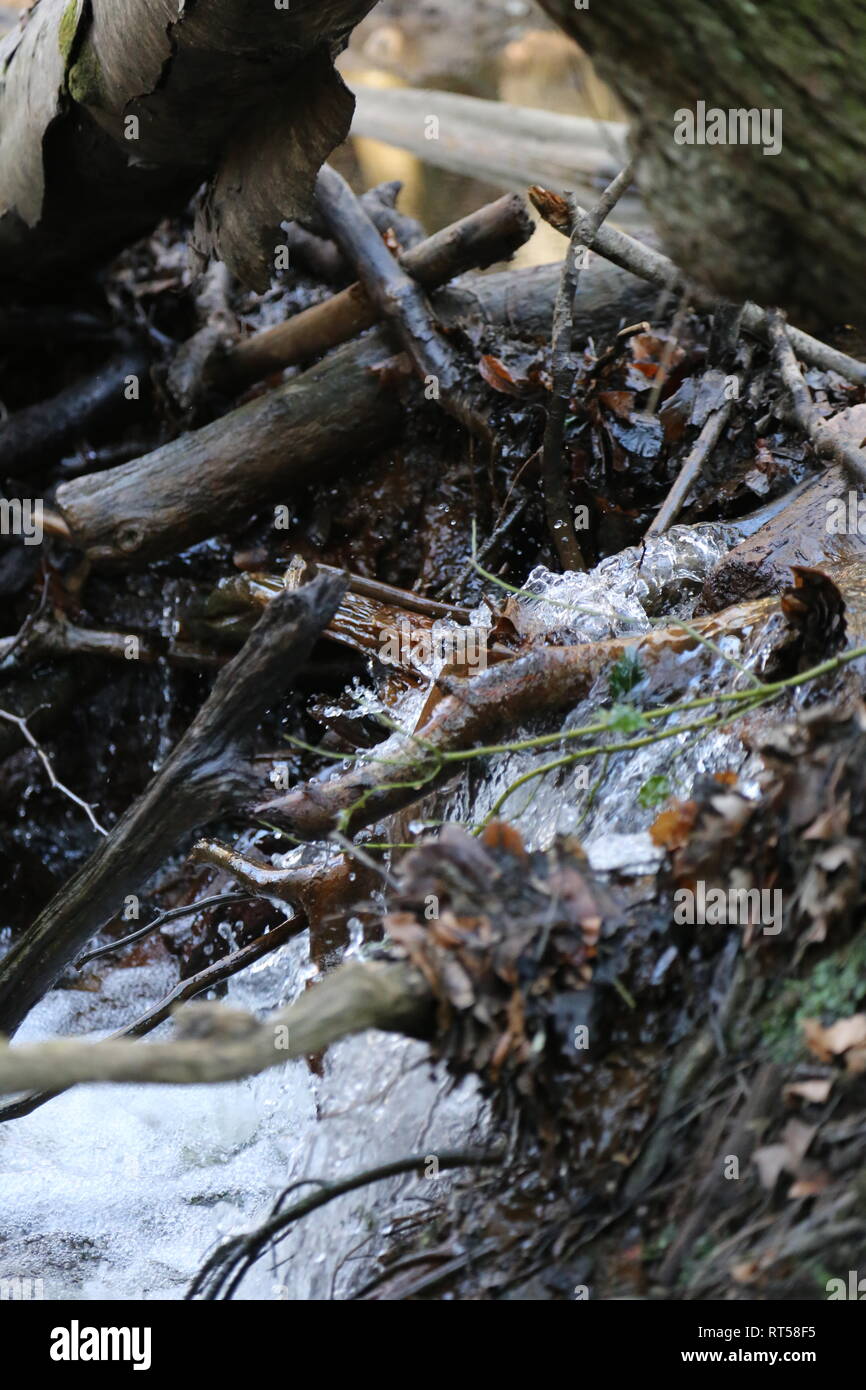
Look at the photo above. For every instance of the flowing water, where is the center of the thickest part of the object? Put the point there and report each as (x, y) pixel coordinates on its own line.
(119, 1192)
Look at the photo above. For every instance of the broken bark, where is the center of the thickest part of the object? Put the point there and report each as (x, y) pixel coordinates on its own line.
(206, 771)
(113, 112)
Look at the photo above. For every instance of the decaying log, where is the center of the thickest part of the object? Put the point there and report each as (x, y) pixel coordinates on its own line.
(113, 112)
(207, 771)
(503, 145)
(799, 534)
(338, 410)
(201, 483)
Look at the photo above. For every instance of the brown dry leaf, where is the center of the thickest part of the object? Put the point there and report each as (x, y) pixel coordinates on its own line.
(500, 835)
(620, 402)
(784, 1157)
(497, 375)
(815, 1092)
(809, 1187)
(671, 828)
(839, 1038)
(771, 1160)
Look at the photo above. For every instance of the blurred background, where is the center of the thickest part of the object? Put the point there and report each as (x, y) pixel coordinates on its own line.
(499, 50)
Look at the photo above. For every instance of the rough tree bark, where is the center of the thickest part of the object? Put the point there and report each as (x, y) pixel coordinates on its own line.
(787, 229)
(113, 112)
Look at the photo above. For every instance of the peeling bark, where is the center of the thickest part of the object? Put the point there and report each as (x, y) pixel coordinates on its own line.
(113, 112)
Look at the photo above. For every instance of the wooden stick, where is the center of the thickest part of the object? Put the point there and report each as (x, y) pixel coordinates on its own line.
(207, 771)
(556, 502)
(492, 234)
(659, 270)
(204, 481)
(398, 300)
(226, 1044)
(213, 974)
(503, 145)
(827, 443)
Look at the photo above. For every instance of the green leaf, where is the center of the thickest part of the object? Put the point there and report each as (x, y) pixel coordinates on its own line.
(654, 791)
(625, 719)
(625, 674)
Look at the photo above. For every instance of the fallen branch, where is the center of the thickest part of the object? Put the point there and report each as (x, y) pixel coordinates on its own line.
(226, 1044)
(398, 300)
(408, 766)
(342, 408)
(699, 454)
(207, 479)
(827, 442)
(207, 771)
(172, 914)
(692, 467)
(503, 145)
(658, 270)
(34, 438)
(214, 974)
(226, 1267)
(492, 234)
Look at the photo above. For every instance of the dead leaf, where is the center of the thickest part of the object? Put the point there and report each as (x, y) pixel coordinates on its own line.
(815, 1092)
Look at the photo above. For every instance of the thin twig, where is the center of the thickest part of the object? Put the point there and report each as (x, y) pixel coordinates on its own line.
(556, 503)
(21, 725)
(827, 442)
(243, 1250)
(629, 254)
(692, 467)
(173, 914)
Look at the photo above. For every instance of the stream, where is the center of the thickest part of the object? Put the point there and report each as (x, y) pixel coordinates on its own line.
(120, 1193)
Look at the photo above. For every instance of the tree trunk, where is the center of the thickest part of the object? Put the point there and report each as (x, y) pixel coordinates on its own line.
(113, 112)
(785, 229)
